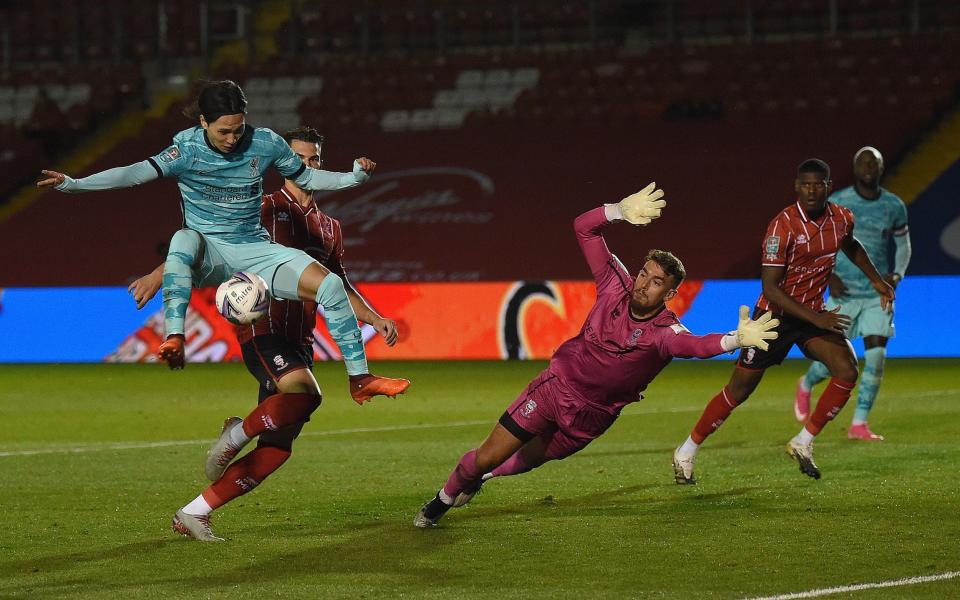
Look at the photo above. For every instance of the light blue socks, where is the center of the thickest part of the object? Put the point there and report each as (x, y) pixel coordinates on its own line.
(177, 281)
(342, 323)
(815, 374)
(873, 360)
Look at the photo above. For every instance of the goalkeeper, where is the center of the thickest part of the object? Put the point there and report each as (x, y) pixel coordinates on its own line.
(629, 336)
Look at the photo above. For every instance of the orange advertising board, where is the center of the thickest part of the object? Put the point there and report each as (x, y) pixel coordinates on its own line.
(499, 320)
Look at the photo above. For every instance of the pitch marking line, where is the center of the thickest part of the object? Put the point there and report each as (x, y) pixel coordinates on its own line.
(171, 443)
(863, 586)
(164, 444)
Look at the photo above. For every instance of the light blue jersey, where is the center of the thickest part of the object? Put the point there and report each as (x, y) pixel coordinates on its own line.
(222, 192)
(875, 222)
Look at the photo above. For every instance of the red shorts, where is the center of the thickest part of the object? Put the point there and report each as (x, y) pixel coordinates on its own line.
(549, 409)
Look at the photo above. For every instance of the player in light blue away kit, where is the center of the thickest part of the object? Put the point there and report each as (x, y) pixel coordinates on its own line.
(879, 215)
(219, 166)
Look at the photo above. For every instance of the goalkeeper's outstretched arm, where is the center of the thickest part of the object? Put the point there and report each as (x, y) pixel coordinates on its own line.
(640, 208)
(590, 224)
(748, 334)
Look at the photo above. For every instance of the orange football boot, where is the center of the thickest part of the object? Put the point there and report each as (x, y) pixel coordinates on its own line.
(171, 351)
(365, 387)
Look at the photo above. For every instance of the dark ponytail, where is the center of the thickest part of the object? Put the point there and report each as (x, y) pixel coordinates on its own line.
(217, 98)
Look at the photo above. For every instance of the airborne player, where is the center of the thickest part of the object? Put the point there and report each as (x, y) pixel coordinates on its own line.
(277, 349)
(629, 336)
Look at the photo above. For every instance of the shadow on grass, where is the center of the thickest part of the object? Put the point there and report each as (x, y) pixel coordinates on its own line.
(666, 451)
(387, 549)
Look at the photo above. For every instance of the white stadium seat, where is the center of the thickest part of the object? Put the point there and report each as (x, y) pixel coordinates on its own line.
(309, 85)
(526, 77)
(450, 118)
(423, 118)
(471, 78)
(497, 78)
(283, 85)
(256, 85)
(395, 120)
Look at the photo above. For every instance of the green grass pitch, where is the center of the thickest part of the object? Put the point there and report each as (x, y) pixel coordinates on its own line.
(96, 458)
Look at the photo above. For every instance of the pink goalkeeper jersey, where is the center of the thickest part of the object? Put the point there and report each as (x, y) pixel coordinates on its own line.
(615, 356)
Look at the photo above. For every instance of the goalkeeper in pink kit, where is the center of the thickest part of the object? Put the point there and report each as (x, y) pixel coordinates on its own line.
(629, 336)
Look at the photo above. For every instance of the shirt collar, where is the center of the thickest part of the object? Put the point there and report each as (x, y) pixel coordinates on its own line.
(827, 211)
(242, 144)
(293, 201)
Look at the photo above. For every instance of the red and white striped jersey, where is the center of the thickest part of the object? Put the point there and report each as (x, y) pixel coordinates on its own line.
(807, 249)
(317, 234)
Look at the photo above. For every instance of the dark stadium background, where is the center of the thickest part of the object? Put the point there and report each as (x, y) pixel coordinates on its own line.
(513, 116)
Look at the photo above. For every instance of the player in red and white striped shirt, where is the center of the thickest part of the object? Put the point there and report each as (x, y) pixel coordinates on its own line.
(798, 254)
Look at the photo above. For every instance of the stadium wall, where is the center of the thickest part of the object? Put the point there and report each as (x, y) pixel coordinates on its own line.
(495, 320)
(485, 204)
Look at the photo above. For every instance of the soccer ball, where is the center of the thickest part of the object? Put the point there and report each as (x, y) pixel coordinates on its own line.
(243, 298)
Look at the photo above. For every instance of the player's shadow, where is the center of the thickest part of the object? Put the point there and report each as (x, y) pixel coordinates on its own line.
(65, 561)
(663, 451)
(613, 503)
(389, 548)
(50, 570)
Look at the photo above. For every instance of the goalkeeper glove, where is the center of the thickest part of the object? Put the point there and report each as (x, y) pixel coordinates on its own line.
(754, 333)
(644, 206)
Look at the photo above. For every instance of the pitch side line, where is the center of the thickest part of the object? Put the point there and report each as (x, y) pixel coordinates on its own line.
(863, 586)
(170, 443)
(165, 444)
(641, 410)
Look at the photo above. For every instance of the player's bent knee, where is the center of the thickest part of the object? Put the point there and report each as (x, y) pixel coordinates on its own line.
(487, 460)
(308, 287)
(739, 392)
(186, 245)
(281, 439)
(845, 372)
(300, 387)
(300, 381)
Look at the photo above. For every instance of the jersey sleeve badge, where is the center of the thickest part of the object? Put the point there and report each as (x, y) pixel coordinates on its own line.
(772, 247)
(170, 154)
(678, 328)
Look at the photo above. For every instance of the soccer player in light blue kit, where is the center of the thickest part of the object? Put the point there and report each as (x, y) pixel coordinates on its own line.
(219, 166)
(879, 215)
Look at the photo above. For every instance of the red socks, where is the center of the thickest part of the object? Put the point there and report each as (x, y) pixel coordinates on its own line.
(719, 408)
(279, 410)
(716, 412)
(829, 404)
(245, 474)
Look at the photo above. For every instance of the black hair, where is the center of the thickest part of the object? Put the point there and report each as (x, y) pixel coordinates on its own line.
(217, 98)
(669, 263)
(304, 134)
(814, 165)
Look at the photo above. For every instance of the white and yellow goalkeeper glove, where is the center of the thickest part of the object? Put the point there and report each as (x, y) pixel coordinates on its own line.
(644, 206)
(755, 333)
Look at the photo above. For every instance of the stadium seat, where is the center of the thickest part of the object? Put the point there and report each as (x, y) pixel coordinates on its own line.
(395, 120)
(470, 79)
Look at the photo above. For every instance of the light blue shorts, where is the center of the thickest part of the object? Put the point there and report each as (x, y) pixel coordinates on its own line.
(866, 316)
(222, 259)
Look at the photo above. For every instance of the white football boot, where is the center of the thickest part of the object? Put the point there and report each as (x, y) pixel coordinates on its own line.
(223, 450)
(194, 526)
(683, 468)
(803, 454)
